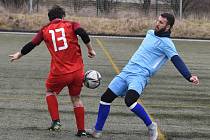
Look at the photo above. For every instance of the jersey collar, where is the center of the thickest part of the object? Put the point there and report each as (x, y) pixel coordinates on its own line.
(56, 20)
(163, 34)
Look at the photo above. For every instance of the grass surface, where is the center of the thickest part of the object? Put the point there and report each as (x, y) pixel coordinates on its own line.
(181, 110)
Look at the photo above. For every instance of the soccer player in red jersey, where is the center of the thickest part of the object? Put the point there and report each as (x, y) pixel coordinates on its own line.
(67, 68)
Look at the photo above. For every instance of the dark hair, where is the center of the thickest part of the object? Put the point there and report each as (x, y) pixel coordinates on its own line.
(170, 18)
(56, 12)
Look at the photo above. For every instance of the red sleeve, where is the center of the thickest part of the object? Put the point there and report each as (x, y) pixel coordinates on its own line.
(38, 38)
(76, 25)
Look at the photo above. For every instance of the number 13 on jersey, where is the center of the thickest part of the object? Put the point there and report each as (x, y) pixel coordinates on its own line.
(60, 38)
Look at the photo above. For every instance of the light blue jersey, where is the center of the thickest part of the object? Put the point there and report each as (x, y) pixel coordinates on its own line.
(151, 55)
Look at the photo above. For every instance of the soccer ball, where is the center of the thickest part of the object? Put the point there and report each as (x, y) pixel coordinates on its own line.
(92, 79)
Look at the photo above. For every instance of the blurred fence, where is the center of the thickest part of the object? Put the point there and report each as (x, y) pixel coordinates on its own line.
(115, 8)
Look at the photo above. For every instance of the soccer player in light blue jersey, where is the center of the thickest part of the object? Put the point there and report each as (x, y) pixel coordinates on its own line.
(156, 48)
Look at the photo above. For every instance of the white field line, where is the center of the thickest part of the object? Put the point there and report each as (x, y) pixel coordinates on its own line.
(112, 37)
(124, 37)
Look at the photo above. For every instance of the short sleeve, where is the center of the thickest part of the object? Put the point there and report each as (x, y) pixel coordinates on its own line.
(38, 38)
(76, 25)
(169, 49)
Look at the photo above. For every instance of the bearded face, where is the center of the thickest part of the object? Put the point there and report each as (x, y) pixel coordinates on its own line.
(161, 25)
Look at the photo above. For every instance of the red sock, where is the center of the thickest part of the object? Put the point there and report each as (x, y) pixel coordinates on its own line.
(79, 113)
(52, 106)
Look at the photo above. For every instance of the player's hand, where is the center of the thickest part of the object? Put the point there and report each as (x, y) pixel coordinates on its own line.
(15, 56)
(91, 53)
(194, 79)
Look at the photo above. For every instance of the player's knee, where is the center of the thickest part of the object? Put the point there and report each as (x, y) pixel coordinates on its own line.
(76, 101)
(108, 96)
(131, 97)
(50, 93)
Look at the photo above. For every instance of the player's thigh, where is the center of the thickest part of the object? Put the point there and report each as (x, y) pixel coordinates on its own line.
(118, 86)
(136, 83)
(54, 85)
(76, 84)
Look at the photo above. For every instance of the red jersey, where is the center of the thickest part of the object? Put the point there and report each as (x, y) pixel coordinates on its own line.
(62, 43)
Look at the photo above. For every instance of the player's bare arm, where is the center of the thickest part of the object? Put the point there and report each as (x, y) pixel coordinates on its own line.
(91, 52)
(15, 56)
(26, 49)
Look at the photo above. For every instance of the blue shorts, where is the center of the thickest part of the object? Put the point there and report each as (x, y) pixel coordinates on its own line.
(127, 81)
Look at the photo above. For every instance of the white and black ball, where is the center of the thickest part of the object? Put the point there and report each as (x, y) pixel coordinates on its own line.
(92, 79)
